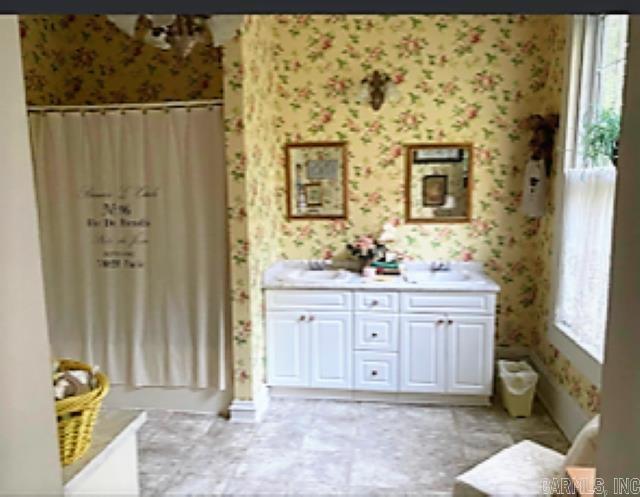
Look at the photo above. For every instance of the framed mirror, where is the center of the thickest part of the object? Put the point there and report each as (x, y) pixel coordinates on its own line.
(438, 182)
(316, 176)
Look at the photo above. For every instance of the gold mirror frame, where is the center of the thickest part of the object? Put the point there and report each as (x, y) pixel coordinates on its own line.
(409, 149)
(288, 187)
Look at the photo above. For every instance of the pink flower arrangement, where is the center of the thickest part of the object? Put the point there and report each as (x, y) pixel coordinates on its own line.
(364, 243)
(366, 248)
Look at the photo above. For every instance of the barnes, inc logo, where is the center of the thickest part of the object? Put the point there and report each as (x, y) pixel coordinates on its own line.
(588, 486)
(626, 486)
(568, 486)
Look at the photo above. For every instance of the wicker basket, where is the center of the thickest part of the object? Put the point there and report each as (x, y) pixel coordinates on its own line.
(77, 415)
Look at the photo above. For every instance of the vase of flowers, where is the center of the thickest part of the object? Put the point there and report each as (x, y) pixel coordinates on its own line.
(367, 249)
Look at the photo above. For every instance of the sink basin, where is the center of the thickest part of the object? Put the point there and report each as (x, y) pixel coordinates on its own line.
(425, 276)
(326, 275)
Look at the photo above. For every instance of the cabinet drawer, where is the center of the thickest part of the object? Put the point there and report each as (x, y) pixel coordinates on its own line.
(376, 332)
(376, 371)
(321, 300)
(448, 302)
(376, 301)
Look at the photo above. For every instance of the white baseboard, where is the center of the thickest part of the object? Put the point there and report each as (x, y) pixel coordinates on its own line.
(250, 411)
(563, 408)
(175, 399)
(372, 396)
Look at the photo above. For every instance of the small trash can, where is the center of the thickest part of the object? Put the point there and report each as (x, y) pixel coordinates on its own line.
(517, 386)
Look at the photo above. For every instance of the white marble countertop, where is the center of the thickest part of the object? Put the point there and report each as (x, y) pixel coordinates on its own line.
(477, 281)
(112, 428)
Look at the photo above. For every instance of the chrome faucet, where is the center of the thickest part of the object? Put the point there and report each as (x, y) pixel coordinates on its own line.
(440, 266)
(319, 264)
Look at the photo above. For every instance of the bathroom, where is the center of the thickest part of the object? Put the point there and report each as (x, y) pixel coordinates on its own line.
(496, 89)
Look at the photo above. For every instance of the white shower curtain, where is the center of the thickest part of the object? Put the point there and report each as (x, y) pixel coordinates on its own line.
(132, 213)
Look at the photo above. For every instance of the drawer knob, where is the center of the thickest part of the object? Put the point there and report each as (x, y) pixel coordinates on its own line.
(312, 317)
(374, 303)
(440, 321)
(450, 321)
(302, 318)
(374, 373)
(374, 334)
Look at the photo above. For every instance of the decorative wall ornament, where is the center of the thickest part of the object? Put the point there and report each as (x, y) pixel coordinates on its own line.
(541, 143)
(179, 32)
(377, 88)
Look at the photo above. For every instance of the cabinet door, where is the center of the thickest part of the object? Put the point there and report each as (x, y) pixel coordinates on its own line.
(287, 349)
(331, 349)
(470, 354)
(422, 357)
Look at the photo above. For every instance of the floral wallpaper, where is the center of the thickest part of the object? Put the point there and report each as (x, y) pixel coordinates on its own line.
(86, 59)
(461, 79)
(253, 211)
(262, 146)
(237, 216)
(294, 78)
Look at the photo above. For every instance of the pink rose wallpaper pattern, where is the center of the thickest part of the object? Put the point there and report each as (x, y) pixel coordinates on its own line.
(294, 78)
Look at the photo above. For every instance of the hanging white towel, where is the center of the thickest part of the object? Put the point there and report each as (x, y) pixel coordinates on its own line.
(534, 189)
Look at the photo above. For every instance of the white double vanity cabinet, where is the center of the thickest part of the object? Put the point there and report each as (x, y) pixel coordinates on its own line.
(335, 334)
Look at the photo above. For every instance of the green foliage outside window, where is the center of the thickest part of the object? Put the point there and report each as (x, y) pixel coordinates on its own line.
(601, 137)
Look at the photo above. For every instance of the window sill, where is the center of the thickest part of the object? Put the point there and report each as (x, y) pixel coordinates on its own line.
(580, 359)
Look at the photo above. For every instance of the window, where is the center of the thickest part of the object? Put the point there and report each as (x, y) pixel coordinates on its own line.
(594, 103)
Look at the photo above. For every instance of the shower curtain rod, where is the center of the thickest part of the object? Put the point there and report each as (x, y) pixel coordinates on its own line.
(131, 106)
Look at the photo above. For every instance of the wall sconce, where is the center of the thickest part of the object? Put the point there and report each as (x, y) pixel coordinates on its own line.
(377, 88)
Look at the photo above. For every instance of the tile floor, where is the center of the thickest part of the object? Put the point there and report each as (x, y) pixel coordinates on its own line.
(312, 448)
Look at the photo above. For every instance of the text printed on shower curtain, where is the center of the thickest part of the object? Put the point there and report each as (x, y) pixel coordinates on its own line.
(121, 224)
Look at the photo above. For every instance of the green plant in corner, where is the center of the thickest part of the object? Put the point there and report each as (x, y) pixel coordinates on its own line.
(601, 137)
